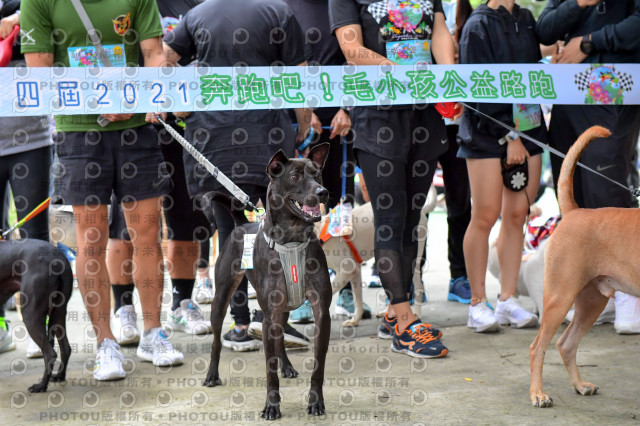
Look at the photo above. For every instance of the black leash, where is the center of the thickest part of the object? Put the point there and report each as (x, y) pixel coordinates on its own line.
(635, 192)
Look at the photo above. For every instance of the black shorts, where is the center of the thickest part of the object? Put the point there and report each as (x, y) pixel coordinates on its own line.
(93, 165)
(184, 216)
(392, 133)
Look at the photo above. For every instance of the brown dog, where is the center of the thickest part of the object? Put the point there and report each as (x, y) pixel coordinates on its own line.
(586, 261)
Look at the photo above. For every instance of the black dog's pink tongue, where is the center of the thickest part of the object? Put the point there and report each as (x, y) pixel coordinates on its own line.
(311, 211)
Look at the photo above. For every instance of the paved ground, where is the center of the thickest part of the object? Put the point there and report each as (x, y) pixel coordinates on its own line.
(484, 380)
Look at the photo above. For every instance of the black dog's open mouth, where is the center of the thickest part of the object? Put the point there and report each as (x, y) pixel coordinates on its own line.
(305, 211)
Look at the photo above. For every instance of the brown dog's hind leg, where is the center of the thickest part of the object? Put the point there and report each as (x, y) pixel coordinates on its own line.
(556, 307)
(589, 304)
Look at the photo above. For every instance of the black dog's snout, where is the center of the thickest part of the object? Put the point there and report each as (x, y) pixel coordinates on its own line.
(322, 193)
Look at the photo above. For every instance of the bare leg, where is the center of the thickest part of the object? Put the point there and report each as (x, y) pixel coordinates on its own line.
(93, 277)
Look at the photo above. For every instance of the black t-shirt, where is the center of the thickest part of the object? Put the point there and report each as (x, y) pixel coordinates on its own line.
(171, 12)
(387, 20)
(313, 16)
(223, 33)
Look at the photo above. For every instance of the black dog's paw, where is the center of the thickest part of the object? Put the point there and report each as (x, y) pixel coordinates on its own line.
(316, 408)
(38, 388)
(212, 381)
(270, 412)
(289, 372)
(59, 377)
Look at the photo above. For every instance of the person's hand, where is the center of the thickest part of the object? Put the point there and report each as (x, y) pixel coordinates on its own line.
(516, 152)
(7, 24)
(341, 124)
(587, 3)
(182, 115)
(151, 118)
(117, 117)
(460, 108)
(570, 53)
(316, 124)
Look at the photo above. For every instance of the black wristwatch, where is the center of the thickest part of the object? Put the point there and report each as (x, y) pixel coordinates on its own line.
(586, 45)
(346, 109)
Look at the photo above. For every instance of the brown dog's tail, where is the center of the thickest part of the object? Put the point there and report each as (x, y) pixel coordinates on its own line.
(566, 199)
(234, 206)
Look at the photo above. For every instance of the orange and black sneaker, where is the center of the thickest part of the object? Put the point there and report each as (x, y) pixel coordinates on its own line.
(385, 330)
(416, 340)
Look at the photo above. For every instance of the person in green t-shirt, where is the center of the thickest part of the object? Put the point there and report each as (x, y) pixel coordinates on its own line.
(95, 162)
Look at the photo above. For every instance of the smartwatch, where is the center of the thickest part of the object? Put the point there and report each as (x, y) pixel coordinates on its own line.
(586, 45)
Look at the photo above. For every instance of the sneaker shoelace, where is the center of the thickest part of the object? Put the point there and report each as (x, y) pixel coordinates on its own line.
(163, 343)
(422, 333)
(193, 314)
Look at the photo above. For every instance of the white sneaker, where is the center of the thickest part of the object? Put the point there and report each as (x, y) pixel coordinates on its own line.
(251, 292)
(6, 341)
(33, 350)
(108, 365)
(203, 290)
(511, 313)
(155, 347)
(607, 316)
(482, 319)
(188, 318)
(124, 325)
(627, 314)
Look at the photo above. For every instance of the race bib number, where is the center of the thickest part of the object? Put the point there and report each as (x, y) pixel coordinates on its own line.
(409, 52)
(247, 251)
(87, 56)
(527, 116)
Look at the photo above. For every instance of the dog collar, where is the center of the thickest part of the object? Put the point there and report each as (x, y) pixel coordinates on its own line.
(293, 259)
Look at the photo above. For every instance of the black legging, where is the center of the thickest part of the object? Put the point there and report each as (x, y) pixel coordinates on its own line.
(398, 193)
(224, 221)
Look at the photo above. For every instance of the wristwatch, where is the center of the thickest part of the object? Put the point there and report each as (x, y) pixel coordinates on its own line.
(346, 109)
(509, 137)
(586, 45)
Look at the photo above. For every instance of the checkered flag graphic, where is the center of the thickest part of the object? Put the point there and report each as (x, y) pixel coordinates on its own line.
(379, 9)
(582, 80)
(626, 81)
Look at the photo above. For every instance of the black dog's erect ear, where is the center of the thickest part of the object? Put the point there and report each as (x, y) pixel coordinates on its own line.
(318, 154)
(276, 164)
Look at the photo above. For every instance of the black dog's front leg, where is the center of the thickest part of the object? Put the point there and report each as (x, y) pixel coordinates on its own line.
(285, 365)
(272, 340)
(321, 346)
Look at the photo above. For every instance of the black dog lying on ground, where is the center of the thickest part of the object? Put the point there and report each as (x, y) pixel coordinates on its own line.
(43, 276)
(292, 206)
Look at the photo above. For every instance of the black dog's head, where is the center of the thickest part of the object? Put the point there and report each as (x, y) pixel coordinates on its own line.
(296, 183)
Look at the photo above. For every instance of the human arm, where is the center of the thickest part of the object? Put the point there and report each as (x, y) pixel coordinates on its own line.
(7, 24)
(558, 18)
(341, 124)
(352, 46)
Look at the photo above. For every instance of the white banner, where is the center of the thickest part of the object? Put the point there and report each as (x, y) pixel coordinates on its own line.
(71, 91)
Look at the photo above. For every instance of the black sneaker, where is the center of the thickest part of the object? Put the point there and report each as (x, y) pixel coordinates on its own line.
(240, 341)
(293, 339)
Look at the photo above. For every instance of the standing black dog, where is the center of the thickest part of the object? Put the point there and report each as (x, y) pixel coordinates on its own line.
(43, 276)
(292, 207)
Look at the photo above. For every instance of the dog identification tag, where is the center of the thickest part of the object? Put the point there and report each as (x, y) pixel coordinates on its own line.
(340, 220)
(247, 251)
